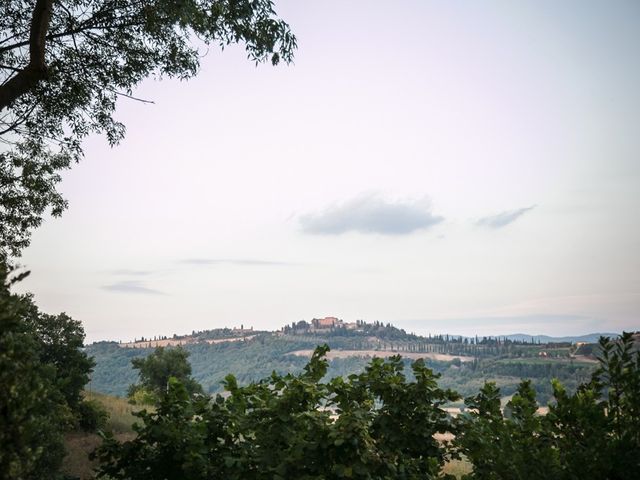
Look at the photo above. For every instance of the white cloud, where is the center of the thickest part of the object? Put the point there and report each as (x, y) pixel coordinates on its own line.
(503, 219)
(371, 214)
(131, 286)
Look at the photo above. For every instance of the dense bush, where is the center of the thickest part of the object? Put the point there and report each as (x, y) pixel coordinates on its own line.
(92, 416)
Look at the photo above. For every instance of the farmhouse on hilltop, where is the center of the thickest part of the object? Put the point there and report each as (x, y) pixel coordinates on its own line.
(320, 325)
(325, 323)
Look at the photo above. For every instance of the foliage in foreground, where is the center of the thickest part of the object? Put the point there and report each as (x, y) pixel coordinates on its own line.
(593, 433)
(372, 425)
(378, 425)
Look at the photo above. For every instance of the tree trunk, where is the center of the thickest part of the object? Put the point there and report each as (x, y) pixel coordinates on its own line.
(27, 78)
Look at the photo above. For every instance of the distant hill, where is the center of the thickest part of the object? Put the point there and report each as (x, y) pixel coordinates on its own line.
(464, 362)
(588, 338)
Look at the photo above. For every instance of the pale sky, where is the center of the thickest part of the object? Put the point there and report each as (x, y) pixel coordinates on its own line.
(451, 167)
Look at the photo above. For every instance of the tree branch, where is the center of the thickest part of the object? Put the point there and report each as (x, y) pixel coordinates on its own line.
(9, 67)
(132, 97)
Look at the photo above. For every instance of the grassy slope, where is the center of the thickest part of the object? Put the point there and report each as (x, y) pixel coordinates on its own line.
(80, 444)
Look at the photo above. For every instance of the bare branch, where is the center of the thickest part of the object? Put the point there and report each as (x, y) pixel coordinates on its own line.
(132, 97)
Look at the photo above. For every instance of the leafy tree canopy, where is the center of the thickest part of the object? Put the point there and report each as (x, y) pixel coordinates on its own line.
(64, 63)
(156, 370)
(60, 340)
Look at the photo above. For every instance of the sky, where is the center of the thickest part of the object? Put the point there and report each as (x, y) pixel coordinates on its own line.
(465, 167)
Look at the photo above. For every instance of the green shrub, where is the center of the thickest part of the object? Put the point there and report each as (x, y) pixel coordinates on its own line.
(91, 415)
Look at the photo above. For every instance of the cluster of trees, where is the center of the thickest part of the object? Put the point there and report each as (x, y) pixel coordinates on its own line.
(380, 425)
(156, 370)
(376, 328)
(42, 373)
(215, 333)
(507, 374)
(389, 337)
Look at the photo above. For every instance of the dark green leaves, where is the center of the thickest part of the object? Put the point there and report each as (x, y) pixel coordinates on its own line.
(593, 433)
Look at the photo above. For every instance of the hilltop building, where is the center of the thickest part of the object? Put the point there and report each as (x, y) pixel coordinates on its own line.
(241, 330)
(321, 325)
(326, 323)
